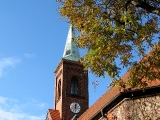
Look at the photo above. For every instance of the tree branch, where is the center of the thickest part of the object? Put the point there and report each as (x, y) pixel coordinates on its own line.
(144, 5)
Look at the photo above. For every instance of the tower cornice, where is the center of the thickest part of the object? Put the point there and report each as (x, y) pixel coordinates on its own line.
(77, 63)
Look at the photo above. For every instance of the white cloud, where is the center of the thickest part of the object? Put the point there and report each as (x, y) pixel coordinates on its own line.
(35, 104)
(29, 55)
(3, 100)
(5, 115)
(8, 62)
(11, 109)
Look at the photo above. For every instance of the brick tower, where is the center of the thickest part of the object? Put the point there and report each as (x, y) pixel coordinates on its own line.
(71, 83)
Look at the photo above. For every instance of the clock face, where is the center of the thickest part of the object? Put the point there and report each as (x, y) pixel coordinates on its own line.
(75, 107)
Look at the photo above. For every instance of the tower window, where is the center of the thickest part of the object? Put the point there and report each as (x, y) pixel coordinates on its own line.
(59, 89)
(74, 86)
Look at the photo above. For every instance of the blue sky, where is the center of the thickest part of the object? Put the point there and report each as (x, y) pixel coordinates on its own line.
(32, 40)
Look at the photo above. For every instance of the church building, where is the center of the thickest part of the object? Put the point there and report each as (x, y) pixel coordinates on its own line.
(71, 97)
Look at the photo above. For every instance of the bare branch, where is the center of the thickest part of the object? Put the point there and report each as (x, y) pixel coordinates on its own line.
(146, 6)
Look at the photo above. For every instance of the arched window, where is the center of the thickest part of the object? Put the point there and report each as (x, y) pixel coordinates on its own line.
(59, 89)
(74, 86)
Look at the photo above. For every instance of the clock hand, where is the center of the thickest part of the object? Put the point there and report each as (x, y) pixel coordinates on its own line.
(75, 106)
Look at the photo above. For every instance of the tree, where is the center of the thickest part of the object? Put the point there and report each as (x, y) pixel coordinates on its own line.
(117, 30)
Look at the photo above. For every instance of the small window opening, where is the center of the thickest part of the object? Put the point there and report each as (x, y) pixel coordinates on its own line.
(68, 52)
(74, 86)
(59, 89)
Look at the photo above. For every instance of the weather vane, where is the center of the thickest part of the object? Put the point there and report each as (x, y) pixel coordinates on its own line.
(95, 84)
(59, 0)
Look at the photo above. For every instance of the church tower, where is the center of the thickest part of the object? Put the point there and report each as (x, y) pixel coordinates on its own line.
(71, 82)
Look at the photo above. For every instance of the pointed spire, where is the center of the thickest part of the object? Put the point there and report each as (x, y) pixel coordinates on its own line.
(71, 50)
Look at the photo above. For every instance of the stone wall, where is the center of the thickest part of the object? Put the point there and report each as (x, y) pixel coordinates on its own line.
(146, 108)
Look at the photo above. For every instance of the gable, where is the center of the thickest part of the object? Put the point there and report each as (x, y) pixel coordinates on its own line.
(53, 115)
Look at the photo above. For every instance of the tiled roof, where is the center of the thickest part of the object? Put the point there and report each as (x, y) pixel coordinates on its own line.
(108, 97)
(54, 114)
